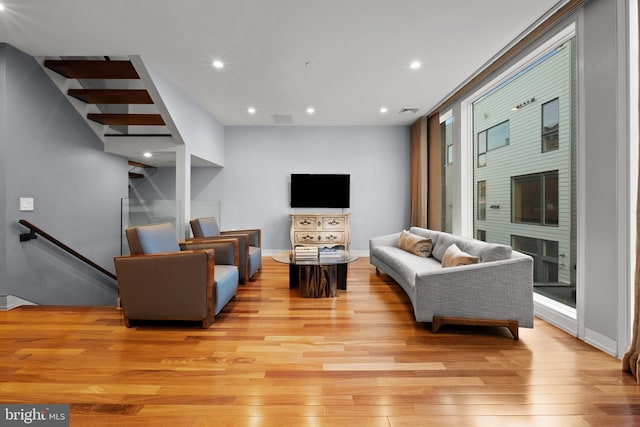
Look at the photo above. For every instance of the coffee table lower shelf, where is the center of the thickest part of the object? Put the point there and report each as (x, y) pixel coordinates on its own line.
(317, 281)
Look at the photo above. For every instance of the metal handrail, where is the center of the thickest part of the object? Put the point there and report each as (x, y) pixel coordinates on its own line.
(33, 230)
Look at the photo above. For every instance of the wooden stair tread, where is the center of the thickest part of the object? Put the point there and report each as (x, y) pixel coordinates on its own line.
(91, 69)
(139, 165)
(111, 96)
(127, 119)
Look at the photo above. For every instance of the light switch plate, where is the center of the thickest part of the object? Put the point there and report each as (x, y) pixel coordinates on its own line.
(26, 204)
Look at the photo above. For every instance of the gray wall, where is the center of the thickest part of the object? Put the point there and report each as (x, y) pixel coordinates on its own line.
(600, 242)
(196, 128)
(254, 184)
(50, 153)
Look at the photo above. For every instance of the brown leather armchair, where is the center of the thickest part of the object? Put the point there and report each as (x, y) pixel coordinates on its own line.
(163, 279)
(250, 243)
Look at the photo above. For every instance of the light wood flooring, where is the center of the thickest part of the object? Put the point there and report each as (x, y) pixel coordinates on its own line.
(275, 359)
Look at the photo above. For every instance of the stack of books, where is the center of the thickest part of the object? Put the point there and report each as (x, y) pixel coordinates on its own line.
(331, 253)
(302, 253)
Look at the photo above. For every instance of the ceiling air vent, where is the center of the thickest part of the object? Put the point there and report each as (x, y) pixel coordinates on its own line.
(282, 119)
(408, 110)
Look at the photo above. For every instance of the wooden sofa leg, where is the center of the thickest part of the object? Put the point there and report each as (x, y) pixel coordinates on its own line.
(436, 324)
(438, 321)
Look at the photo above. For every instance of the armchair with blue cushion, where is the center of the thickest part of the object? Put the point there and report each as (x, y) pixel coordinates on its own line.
(163, 279)
(250, 243)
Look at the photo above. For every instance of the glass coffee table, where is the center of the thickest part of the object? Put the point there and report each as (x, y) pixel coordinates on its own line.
(318, 277)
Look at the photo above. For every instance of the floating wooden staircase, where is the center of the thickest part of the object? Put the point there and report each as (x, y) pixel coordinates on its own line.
(116, 103)
(107, 70)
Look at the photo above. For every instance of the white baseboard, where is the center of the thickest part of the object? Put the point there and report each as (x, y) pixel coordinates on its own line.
(559, 315)
(8, 302)
(601, 342)
(565, 318)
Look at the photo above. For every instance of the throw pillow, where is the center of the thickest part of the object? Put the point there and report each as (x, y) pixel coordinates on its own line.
(454, 257)
(415, 244)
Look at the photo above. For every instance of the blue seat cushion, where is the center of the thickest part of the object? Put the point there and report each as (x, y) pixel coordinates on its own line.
(226, 282)
(255, 260)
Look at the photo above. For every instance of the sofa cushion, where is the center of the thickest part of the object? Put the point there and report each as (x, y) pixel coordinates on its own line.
(406, 264)
(444, 241)
(485, 251)
(415, 244)
(454, 257)
(425, 232)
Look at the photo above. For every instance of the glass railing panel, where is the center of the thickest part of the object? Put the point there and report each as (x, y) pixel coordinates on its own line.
(136, 212)
(205, 208)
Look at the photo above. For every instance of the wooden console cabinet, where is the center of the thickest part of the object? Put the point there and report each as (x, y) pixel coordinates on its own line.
(320, 229)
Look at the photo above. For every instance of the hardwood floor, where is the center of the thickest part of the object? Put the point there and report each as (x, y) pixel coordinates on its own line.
(275, 359)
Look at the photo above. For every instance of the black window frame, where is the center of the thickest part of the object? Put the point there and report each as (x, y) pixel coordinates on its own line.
(542, 177)
(545, 132)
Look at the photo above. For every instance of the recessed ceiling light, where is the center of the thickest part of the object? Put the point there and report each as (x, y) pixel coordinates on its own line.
(415, 65)
(251, 110)
(311, 110)
(383, 110)
(147, 154)
(218, 64)
(2, 7)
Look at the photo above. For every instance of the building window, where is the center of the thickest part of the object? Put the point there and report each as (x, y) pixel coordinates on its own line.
(481, 235)
(498, 136)
(550, 125)
(534, 198)
(490, 139)
(544, 254)
(482, 149)
(482, 200)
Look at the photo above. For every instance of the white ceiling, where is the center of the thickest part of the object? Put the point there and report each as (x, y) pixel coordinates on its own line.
(346, 58)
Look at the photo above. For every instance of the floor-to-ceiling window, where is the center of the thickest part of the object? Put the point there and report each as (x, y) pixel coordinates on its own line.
(524, 167)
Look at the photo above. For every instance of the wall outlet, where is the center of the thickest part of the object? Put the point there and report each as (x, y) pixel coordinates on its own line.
(26, 204)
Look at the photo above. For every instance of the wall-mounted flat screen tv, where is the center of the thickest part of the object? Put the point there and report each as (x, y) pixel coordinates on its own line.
(320, 190)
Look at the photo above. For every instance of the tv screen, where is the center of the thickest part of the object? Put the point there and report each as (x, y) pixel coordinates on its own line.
(319, 190)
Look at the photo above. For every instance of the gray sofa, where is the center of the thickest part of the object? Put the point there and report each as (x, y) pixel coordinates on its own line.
(498, 290)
